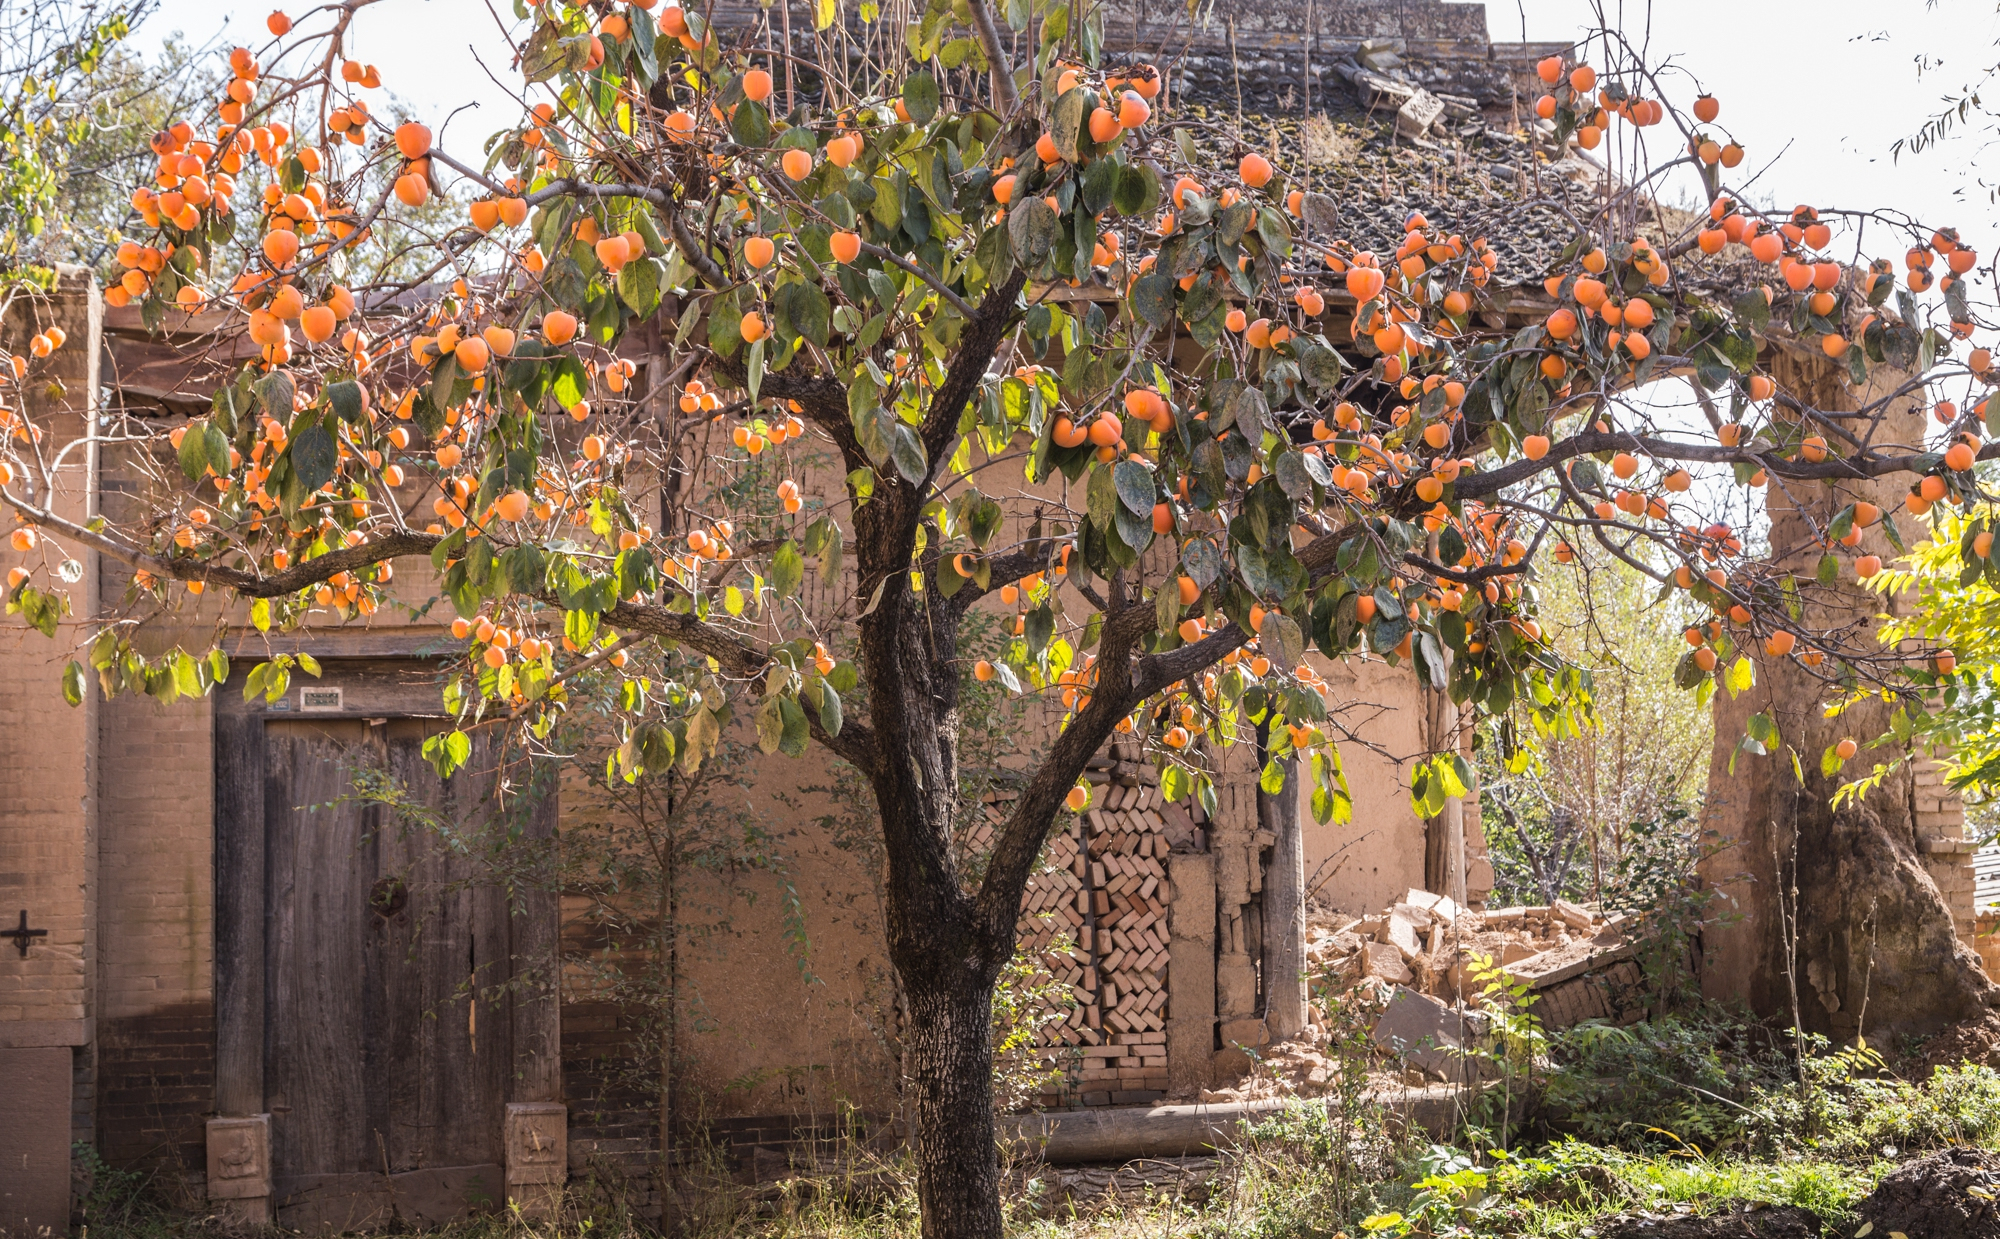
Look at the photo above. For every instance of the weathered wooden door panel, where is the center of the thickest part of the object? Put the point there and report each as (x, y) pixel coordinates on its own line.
(317, 847)
(438, 956)
(389, 1019)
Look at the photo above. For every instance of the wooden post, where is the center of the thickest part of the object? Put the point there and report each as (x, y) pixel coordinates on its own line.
(1285, 910)
(1191, 972)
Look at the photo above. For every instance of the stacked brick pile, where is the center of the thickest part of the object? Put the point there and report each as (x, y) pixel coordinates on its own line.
(1097, 913)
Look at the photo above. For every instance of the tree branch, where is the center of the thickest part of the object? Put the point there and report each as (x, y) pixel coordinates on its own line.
(1005, 100)
(1491, 482)
(976, 346)
(856, 742)
(740, 659)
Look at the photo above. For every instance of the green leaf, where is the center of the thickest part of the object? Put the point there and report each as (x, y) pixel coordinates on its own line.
(907, 451)
(1134, 483)
(921, 97)
(1763, 729)
(1101, 497)
(1153, 299)
(217, 444)
(750, 125)
(1752, 307)
(1100, 185)
(447, 752)
(808, 309)
(639, 285)
(1272, 780)
(1032, 228)
(194, 451)
(635, 571)
(73, 684)
(276, 393)
(345, 399)
(862, 482)
(314, 457)
(1201, 561)
(1038, 628)
(725, 330)
(1283, 632)
(829, 709)
(1292, 477)
(1138, 190)
(795, 731)
(788, 569)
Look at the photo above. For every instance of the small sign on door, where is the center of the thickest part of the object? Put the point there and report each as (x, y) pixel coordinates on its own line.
(319, 699)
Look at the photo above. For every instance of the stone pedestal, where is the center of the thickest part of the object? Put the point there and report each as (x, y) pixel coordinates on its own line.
(239, 1169)
(537, 1156)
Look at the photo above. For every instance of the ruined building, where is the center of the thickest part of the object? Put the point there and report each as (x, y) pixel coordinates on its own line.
(295, 1008)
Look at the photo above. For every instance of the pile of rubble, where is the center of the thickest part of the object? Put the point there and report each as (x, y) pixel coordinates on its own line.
(1429, 943)
(1414, 968)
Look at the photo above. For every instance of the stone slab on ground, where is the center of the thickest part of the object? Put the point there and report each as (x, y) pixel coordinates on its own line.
(1428, 1034)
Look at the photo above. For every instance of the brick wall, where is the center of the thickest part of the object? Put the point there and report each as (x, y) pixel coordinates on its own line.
(45, 744)
(1615, 994)
(1946, 852)
(47, 756)
(155, 978)
(155, 1090)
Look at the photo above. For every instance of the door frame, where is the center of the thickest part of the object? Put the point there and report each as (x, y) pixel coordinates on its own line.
(371, 688)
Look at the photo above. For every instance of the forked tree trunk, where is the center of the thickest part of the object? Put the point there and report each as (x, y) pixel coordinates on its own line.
(1829, 914)
(951, 1056)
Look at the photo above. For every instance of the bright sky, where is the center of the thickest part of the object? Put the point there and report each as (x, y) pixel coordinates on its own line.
(1823, 87)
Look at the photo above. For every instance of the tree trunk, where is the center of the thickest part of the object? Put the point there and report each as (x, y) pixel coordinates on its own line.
(951, 1054)
(1838, 917)
(1826, 915)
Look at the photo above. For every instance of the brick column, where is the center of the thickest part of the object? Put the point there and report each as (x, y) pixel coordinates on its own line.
(1946, 852)
(47, 806)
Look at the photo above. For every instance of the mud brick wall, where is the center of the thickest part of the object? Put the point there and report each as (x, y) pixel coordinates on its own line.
(1614, 994)
(156, 1088)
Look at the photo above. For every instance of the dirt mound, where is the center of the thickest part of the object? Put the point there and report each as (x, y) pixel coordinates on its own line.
(1974, 1041)
(1778, 1222)
(1954, 1194)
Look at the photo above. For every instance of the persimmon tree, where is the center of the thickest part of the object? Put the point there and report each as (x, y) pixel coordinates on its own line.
(1066, 355)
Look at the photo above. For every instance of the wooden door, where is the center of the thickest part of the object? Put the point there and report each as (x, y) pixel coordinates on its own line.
(401, 988)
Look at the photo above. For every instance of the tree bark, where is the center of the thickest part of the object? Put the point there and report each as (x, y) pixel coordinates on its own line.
(951, 1054)
(1823, 915)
